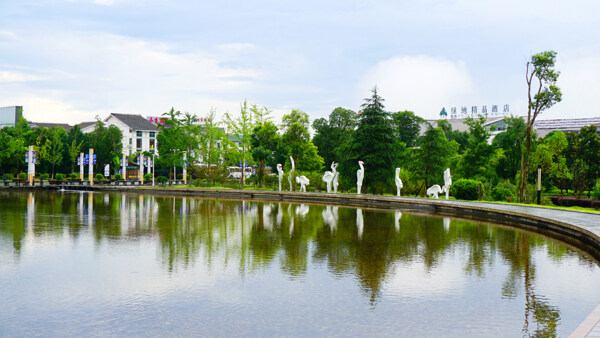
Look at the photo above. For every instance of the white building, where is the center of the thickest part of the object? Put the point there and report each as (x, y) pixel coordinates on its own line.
(139, 134)
(10, 115)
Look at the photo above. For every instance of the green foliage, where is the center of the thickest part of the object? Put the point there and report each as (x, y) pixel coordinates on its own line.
(500, 193)
(407, 127)
(374, 143)
(7, 177)
(148, 177)
(118, 177)
(596, 190)
(44, 176)
(465, 189)
(478, 152)
(162, 179)
(74, 176)
(60, 177)
(297, 142)
(266, 144)
(433, 156)
(23, 176)
(333, 134)
(99, 176)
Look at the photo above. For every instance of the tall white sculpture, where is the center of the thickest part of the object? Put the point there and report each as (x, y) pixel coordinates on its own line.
(280, 174)
(360, 174)
(291, 173)
(330, 175)
(335, 182)
(434, 190)
(303, 181)
(398, 182)
(447, 182)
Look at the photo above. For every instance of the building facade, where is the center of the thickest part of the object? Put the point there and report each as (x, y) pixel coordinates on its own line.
(10, 115)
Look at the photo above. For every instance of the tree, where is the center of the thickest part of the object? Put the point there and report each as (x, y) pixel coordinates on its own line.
(297, 142)
(374, 143)
(242, 127)
(212, 139)
(433, 156)
(265, 144)
(461, 137)
(588, 151)
(511, 141)
(107, 144)
(51, 151)
(539, 73)
(476, 159)
(75, 140)
(557, 143)
(333, 134)
(170, 140)
(408, 127)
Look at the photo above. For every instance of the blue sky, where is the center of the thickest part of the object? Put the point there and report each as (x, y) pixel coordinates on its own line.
(70, 61)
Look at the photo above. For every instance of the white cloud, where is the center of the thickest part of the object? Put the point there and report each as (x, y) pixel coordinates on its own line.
(9, 76)
(422, 84)
(90, 74)
(578, 80)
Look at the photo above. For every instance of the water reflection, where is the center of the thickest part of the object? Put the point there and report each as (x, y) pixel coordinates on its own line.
(371, 245)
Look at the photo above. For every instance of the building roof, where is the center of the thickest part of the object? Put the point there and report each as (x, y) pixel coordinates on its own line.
(64, 126)
(135, 122)
(86, 124)
(460, 125)
(566, 124)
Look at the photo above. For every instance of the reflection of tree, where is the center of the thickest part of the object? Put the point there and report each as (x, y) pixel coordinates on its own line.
(253, 236)
(518, 253)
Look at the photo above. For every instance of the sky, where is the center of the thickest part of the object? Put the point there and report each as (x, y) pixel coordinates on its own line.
(74, 60)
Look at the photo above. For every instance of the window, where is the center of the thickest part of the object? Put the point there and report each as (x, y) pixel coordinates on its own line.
(130, 131)
(151, 143)
(152, 134)
(139, 143)
(130, 141)
(139, 134)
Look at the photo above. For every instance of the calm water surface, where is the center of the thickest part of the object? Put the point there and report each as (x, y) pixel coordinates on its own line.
(78, 263)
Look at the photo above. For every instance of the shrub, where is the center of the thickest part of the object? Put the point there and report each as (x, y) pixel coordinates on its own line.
(59, 177)
(465, 189)
(74, 176)
(7, 177)
(118, 177)
(44, 176)
(500, 193)
(148, 177)
(99, 176)
(596, 191)
(23, 176)
(161, 179)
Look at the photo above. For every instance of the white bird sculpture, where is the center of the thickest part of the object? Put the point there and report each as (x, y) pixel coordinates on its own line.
(398, 182)
(360, 174)
(280, 174)
(335, 182)
(291, 173)
(303, 181)
(330, 175)
(434, 190)
(447, 182)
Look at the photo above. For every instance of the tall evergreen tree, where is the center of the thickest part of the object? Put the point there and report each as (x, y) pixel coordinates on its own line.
(374, 143)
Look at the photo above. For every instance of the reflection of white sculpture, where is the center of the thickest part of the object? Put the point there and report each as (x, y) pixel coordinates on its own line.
(291, 173)
(398, 182)
(447, 182)
(360, 223)
(330, 175)
(360, 174)
(434, 191)
(397, 216)
(330, 216)
(302, 210)
(280, 174)
(446, 224)
(303, 181)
